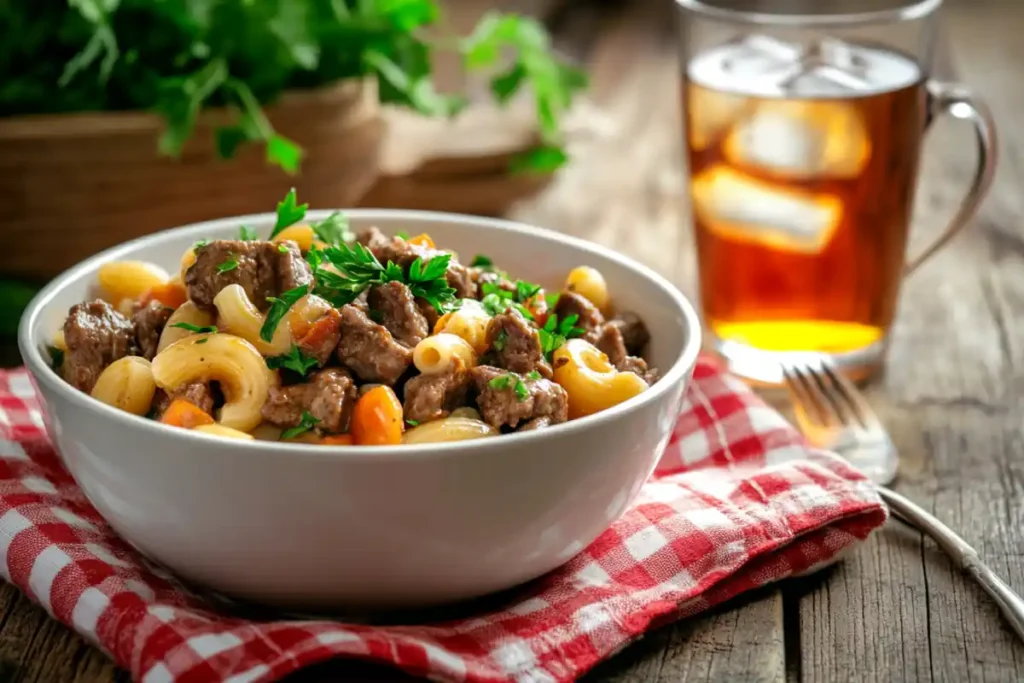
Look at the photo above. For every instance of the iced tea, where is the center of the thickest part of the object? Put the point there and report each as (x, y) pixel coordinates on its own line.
(803, 163)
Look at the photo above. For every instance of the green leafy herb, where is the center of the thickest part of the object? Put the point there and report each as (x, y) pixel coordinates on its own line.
(523, 310)
(289, 212)
(522, 393)
(555, 333)
(207, 329)
(56, 357)
(278, 307)
(247, 234)
(482, 262)
(402, 234)
(552, 299)
(429, 282)
(412, 423)
(306, 423)
(375, 315)
(295, 360)
(510, 381)
(199, 244)
(526, 291)
(228, 264)
(333, 230)
(283, 248)
(533, 374)
(500, 340)
(203, 340)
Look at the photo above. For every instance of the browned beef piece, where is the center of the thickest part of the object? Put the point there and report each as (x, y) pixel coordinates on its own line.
(149, 321)
(199, 394)
(514, 342)
(634, 333)
(502, 406)
(263, 270)
(322, 337)
(429, 397)
(590, 318)
(96, 335)
(393, 306)
(369, 350)
(403, 253)
(610, 342)
(329, 396)
(639, 366)
(429, 314)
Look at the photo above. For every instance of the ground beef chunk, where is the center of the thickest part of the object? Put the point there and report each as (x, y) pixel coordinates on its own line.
(639, 366)
(404, 253)
(429, 397)
(590, 318)
(199, 394)
(429, 313)
(634, 332)
(369, 350)
(149, 321)
(501, 406)
(611, 343)
(96, 335)
(328, 396)
(515, 343)
(393, 306)
(321, 337)
(263, 270)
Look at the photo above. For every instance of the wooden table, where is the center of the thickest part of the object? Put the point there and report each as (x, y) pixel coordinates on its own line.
(896, 609)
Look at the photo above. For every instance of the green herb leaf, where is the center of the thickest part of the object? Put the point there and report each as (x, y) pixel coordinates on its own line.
(56, 357)
(333, 230)
(228, 264)
(206, 329)
(429, 281)
(412, 423)
(539, 160)
(522, 392)
(534, 375)
(482, 262)
(500, 340)
(289, 212)
(247, 234)
(278, 307)
(284, 153)
(228, 139)
(283, 248)
(552, 299)
(526, 291)
(202, 341)
(306, 423)
(295, 360)
(510, 381)
(502, 382)
(401, 234)
(199, 244)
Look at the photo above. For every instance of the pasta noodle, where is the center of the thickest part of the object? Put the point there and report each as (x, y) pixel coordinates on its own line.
(588, 283)
(438, 353)
(188, 313)
(221, 430)
(466, 411)
(236, 315)
(593, 384)
(449, 429)
(59, 342)
(470, 322)
(230, 360)
(127, 384)
(121, 280)
(187, 259)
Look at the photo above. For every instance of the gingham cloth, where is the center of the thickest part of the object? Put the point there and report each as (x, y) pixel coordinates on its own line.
(738, 501)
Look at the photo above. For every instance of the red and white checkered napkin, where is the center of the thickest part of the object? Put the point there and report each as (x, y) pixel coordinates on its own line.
(737, 502)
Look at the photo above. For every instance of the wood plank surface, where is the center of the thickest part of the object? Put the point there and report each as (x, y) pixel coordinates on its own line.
(895, 609)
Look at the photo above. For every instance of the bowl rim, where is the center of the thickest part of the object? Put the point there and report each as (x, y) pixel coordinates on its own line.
(42, 371)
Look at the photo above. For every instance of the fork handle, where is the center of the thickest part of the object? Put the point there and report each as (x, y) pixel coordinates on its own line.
(966, 557)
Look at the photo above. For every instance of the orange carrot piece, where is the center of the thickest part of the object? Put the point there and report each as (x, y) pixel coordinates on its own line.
(337, 440)
(377, 418)
(422, 240)
(316, 332)
(182, 413)
(170, 294)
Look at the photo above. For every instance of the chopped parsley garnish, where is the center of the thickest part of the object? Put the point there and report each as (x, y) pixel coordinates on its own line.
(333, 230)
(247, 234)
(510, 381)
(295, 360)
(552, 299)
(498, 299)
(283, 248)
(199, 244)
(289, 212)
(306, 423)
(482, 262)
(402, 235)
(278, 307)
(228, 264)
(207, 329)
(413, 423)
(500, 340)
(554, 333)
(526, 291)
(203, 340)
(56, 357)
(533, 374)
(429, 281)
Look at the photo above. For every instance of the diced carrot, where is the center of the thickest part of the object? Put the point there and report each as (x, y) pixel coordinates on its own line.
(337, 440)
(538, 305)
(170, 294)
(377, 418)
(422, 240)
(312, 335)
(182, 413)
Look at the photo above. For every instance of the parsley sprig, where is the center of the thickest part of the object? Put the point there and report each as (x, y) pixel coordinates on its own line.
(497, 299)
(228, 264)
(513, 381)
(306, 422)
(289, 212)
(555, 333)
(247, 234)
(334, 230)
(278, 307)
(295, 360)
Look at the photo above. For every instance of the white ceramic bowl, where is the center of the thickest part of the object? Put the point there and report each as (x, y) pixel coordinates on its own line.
(313, 526)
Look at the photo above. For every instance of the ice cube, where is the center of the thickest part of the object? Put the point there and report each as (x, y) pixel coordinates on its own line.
(801, 139)
(738, 206)
(710, 113)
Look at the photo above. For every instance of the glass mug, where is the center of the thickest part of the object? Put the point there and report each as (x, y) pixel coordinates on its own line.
(803, 134)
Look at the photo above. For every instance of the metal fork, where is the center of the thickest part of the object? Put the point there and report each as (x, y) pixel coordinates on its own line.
(833, 414)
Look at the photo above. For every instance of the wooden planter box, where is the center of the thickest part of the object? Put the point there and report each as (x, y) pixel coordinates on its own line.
(72, 185)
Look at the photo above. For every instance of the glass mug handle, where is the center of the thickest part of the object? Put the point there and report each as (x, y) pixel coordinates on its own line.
(958, 101)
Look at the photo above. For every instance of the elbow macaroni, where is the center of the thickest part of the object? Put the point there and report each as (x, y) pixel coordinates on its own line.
(592, 383)
(189, 313)
(437, 354)
(449, 429)
(232, 361)
(470, 322)
(221, 430)
(127, 384)
(129, 280)
(589, 283)
(187, 259)
(237, 316)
